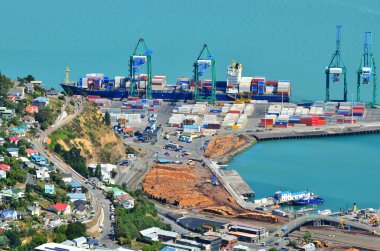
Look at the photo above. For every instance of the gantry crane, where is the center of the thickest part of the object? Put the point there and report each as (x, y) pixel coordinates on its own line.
(367, 69)
(204, 60)
(140, 56)
(336, 68)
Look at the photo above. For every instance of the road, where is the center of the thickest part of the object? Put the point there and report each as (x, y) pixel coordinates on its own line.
(97, 198)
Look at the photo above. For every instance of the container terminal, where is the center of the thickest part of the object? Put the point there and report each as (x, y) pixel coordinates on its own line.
(201, 107)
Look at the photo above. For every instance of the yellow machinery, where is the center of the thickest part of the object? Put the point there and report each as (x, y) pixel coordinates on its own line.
(241, 98)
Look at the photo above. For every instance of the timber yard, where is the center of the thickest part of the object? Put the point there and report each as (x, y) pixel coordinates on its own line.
(183, 135)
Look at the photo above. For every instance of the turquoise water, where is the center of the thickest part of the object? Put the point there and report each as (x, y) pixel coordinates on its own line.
(278, 39)
(342, 170)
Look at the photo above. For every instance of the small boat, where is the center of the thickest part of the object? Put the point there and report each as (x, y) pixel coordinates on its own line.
(309, 201)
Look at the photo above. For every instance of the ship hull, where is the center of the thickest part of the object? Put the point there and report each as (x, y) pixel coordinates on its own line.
(165, 95)
(311, 201)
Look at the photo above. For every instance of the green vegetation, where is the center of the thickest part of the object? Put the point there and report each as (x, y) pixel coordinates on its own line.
(74, 159)
(75, 230)
(131, 221)
(308, 237)
(13, 239)
(107, 118)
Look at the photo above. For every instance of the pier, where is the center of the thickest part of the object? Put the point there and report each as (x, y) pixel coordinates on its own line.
(302, 133)
(237, 183)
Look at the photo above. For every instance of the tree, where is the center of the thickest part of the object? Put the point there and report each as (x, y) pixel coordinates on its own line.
(273, 249)
(98, 172)
(308, 237)
(107, 118)
(37, 240)
(294, 243)
(57, 148)
(75, 230)
(3, 241)
(14, 238)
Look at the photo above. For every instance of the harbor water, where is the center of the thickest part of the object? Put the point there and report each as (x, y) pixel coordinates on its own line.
(291, 40)
(342, 170)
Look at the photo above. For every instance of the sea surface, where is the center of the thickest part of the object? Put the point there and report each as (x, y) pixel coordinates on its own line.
(342, 170)
(291, 40)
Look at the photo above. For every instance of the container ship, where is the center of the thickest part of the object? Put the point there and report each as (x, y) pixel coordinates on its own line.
(235, 87)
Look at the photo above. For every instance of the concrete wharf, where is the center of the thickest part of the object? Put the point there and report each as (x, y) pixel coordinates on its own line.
(301, 133)
(237, 183)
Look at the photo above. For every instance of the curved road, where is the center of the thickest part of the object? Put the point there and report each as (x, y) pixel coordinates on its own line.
(97, 198)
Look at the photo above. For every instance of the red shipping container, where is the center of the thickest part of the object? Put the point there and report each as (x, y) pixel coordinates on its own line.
(234, 111)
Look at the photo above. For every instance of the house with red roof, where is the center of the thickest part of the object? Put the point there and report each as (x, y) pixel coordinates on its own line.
(31, 109)
(62, 208)
(11, 98)
(31, 152)
(14, 140)
(5, 167)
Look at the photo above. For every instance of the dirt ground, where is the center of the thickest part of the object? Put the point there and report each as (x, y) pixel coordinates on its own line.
(189, 187)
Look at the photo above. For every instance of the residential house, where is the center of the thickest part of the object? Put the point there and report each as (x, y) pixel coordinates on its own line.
(18, 193)
(2, 141)
(7, 114)
(49, 189)
(29, 164)
(80, 207)
(38, 159)
(31, 109)
(62, 208)
(41, 101)
(37, 83)
(1, 158)
(35, 209)
(21, 214)
(80, 242)
(9, 215)
(14, 140)
(4, 226)
(19, 131)
(52, 93)
(126, 200)
(23, 159)
(11, 98)
(76, 187)
(12, 152)
(17, 92)
(66, 177)
(76, 196)
(31, 152)
(5, 168)
(43, 175)
(117, 191)
(28, 119)
(11, 194)
(29, 87)
(3, 174)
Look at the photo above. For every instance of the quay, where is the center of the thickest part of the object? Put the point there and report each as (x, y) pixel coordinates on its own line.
(302, 133)
(237, 183)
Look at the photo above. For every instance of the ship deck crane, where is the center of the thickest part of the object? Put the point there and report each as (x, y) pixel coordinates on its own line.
(204, 60)
(367, 69)
(336, 68)
(141, 55)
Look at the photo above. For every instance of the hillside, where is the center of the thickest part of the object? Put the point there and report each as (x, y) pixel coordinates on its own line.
(88, 133)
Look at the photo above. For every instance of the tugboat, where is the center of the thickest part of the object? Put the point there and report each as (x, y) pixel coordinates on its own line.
(309, 201)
